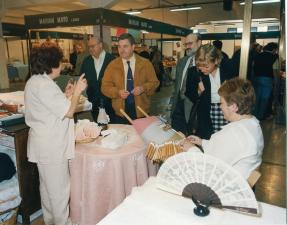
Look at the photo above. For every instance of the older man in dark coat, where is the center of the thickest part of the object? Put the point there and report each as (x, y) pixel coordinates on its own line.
(94, 67)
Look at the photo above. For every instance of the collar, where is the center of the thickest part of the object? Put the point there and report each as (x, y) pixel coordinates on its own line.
(131, 59)
(101, 56)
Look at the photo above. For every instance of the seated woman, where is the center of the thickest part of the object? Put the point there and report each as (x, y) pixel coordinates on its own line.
(240, 142)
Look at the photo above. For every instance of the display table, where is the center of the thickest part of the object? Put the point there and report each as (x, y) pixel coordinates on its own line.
(148, 205)
(101, 178)
(17, 98)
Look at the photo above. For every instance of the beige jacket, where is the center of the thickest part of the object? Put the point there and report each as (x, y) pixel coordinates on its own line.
(114, 81)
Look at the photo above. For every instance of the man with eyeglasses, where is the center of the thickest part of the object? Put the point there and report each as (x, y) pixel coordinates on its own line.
(181, 105)
(129, 81)
(94, 67)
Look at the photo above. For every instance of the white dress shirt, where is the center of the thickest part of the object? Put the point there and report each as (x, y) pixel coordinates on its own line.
(99, 62)
(184, 72)
(239, 144)
(215, 85)
(132, 65)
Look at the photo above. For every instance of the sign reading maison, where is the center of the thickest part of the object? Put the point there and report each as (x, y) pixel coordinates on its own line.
(57, 20)
(139, 24)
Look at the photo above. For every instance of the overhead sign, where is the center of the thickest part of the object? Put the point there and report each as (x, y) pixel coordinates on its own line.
(56, 35)
(64, 19)
(113, 18)
(101, 16)
(10, 29)
(233, 36)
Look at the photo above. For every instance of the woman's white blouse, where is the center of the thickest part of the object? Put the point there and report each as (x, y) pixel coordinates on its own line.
(51, 135)
(239, 144)
(215, 84)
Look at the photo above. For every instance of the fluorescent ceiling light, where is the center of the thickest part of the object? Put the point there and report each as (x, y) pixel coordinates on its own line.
(133, 12)
(262, 2)
(185, 8)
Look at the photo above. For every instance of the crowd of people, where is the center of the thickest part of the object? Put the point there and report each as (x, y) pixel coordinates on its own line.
(211, 105)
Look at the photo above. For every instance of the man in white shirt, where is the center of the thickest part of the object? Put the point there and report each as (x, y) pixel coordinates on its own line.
(129, 81)
(94, 67)
(182, 105)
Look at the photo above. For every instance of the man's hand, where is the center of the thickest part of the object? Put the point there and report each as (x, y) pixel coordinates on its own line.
(137, 91)
(123, 94)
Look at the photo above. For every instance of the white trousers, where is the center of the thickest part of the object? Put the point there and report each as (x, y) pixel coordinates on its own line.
(55, 193)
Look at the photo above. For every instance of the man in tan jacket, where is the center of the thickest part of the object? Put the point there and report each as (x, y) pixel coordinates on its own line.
(129, 81)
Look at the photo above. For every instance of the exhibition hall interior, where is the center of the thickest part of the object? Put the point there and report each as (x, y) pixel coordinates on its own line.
(142, 112)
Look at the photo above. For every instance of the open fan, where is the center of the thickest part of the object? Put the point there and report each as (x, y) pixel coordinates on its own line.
(162, 140)
(208, 181)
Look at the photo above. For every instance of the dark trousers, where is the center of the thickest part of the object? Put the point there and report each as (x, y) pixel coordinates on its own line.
(263, 90)
(130, 109)
(178, 121)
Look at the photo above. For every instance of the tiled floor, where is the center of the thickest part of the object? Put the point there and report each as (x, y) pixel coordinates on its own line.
(271, 187)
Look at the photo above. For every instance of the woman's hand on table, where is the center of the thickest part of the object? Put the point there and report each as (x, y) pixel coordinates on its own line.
(195, 140)
(186, 144)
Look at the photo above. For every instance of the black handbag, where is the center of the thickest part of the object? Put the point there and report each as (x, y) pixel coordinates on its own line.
(7, 167)
(192, 124)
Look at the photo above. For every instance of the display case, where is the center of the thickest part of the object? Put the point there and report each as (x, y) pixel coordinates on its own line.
(15, 138)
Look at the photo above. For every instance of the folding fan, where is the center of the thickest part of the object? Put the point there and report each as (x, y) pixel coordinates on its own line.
(208, 181)
(162, 140)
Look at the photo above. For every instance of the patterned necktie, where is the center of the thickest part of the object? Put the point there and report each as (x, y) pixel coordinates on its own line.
(130, 84)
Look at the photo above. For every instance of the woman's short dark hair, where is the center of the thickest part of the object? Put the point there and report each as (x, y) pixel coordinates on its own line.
(129, 37)
(240, 92)
(45, 57)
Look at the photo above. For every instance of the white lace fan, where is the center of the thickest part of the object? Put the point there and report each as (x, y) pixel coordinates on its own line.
(208, 181)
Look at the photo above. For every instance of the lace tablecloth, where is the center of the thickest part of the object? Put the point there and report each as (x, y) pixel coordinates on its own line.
(101, 178)
(148, 205)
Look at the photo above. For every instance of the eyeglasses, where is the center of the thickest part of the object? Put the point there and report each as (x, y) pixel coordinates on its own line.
(93, 46)
(188, 43)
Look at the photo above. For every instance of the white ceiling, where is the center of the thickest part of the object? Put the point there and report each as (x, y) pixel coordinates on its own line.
(13, 11)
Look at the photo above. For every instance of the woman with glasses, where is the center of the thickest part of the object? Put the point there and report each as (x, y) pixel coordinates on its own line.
(202, 84)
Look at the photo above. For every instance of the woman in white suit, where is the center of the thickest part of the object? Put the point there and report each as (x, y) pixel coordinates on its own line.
(51, 143)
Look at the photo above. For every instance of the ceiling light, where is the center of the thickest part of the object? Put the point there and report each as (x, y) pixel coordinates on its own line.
(133, 12)
(144, 31)
(185, 9)
(262, 2)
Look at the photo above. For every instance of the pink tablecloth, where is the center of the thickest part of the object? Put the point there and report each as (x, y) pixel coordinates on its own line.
(102, 178)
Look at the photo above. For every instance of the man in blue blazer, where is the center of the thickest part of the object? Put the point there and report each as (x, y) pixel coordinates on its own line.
(94, 67)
